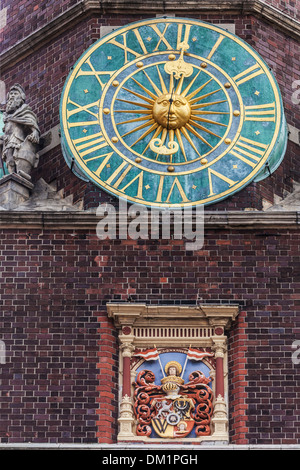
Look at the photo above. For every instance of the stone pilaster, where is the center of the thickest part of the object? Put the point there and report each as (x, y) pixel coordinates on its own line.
(126, 418)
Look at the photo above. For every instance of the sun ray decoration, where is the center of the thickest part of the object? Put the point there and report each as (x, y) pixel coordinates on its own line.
(198, 123)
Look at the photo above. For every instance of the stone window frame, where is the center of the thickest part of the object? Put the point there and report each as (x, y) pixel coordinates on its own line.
(143, 326)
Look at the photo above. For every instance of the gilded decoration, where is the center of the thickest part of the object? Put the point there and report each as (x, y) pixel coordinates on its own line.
(172, 407)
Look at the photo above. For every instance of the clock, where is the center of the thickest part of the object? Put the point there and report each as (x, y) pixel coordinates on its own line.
(172, 112)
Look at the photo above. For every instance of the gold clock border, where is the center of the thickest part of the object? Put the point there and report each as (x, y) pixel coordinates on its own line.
(121, 30)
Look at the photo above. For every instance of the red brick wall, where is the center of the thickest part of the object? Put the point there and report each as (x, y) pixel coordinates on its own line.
(50, 325)
(59, 383)
(31, 16)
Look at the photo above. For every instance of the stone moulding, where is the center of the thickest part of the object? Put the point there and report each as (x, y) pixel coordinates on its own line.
(139, 316)
(87, 220)
(86, 8)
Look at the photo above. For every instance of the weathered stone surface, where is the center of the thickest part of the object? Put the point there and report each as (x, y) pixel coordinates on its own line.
(290, 202)
(19, 143)
(14, 191)
(45, 197)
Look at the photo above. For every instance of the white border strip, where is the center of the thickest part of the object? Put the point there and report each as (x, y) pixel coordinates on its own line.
(140, 446)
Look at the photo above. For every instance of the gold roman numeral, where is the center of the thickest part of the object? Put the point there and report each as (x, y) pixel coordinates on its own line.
(180, 37)
(95, 73)
(117, 172)
(120, 173)
(161, 36)
(248, 74)
(176, 183)
(103, 163)
(79, 108)
(127, 49)
(220, 176)
(82, 124)
(262, 112)
(161, 40)
(249, 151)
(140, 178)
(88, 144)
(215, 47)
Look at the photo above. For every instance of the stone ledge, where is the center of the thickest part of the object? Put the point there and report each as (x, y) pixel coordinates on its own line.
(139, 314)
(86, 8)
(87, 220)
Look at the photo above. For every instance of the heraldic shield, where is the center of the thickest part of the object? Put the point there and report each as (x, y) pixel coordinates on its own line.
(173, 418)
(173, 408)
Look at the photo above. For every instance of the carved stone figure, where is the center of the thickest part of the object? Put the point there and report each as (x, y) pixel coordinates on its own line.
(20, 141)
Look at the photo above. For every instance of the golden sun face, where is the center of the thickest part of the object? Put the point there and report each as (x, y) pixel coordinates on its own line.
(173, 112)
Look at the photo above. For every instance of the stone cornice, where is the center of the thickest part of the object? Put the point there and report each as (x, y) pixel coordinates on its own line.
(87, 220)
(143, 324)
(142, 314)
(86, 8)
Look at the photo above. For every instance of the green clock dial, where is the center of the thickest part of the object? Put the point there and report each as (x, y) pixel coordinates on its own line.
(172, 112)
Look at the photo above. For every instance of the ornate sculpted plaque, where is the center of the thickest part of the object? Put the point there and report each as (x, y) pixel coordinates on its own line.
(180, 403)
(173, 371)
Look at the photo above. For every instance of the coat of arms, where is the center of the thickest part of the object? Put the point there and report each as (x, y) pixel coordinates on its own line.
(173, 408)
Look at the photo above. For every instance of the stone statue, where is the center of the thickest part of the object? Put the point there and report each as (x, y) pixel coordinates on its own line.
(20, 141)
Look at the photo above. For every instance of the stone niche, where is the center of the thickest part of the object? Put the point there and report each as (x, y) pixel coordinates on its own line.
(173, 372)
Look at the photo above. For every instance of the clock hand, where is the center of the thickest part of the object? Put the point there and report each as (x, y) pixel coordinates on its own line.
(171, 102)
(180, 67)
(156, 145)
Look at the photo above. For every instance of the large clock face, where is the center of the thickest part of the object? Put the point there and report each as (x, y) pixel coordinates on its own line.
(172, 112)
